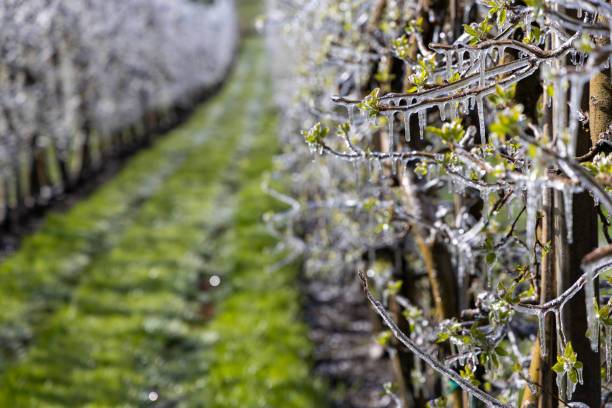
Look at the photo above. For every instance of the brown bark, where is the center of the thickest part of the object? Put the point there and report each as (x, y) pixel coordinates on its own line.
(39, 173)
(35, 181)
(600, 101)
(377, 14)
(548, 292)
(438, 265)
(574, 313)
(441, 291)
(64, 171)
(530, 399)
(86, 153)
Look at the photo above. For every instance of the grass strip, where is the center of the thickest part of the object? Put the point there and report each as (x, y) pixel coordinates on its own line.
(261, 353)
(132, 327)
(41, 274)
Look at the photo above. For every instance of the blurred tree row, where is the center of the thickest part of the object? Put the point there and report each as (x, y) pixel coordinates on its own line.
(85, 82)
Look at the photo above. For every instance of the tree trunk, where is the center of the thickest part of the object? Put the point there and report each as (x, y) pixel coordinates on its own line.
(584, 232)
(548, 292)
(600, 103)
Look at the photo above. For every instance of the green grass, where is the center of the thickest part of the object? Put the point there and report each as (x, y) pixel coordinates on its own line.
(261, 355)
(103, 305)
(42, 274)
(131, 309)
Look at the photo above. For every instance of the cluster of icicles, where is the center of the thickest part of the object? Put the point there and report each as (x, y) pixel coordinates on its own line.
(479, 70)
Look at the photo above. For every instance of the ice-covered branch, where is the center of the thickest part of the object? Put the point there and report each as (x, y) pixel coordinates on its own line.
(593, 264)
(427, 357)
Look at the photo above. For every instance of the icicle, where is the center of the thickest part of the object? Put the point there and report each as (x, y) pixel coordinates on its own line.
(459, 61)
(542, 332)
(442, 109)
(483, 67)
(559, 111)
(462, 353)
(394, 165)
(472, 102)
(464, 106)
(532, 213)
(579, 12)
(567, 205)
(351, 114)
(449, 62)
(488, 273)
(559, 380)
(580, 377)
(576, 95)
(391, 119)
(559, 325)
(481, 119)
(407, 126)
(463, 259)
(527, 21)
(501, 52)
(571, 386)
(453, 110)
(592, 321)
(422, 122)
